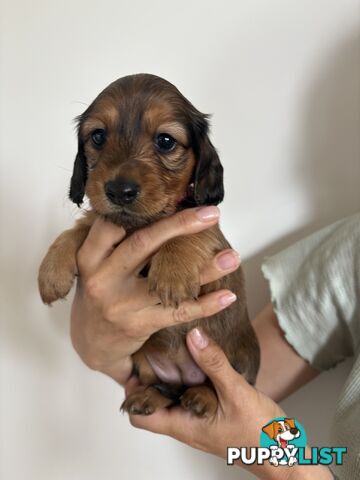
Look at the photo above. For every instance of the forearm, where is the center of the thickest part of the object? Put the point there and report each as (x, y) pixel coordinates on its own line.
(282, 370)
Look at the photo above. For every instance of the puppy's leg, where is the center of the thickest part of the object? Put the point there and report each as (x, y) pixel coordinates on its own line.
(175, 269)
(200, 400)
(58, 268)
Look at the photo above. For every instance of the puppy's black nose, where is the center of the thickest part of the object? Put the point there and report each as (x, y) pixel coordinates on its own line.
(121, 192)
(294, 430)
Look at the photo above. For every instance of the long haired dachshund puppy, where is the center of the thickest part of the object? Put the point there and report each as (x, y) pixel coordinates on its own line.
(143, 154)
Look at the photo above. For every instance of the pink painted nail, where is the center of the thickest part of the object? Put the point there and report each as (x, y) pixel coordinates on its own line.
(198, 338)
(207, 214)
(228, 260)
(227, 299)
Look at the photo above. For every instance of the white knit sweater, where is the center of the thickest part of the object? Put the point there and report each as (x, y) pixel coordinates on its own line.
(315, 288)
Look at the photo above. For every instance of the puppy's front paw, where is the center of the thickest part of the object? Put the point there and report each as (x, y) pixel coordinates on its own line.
(56, 276)
(173, 282)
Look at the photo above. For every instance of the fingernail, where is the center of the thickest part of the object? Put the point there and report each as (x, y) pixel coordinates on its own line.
(207, 214)
(228, 260)
(227, 299)
(198, 338)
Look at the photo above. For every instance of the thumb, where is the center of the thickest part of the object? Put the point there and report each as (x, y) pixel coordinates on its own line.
(213, 361)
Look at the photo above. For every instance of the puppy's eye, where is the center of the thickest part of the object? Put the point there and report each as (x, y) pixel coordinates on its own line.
(165, 143)
(98, 137)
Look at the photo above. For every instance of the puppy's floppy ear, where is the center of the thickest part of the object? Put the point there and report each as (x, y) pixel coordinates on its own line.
(208, 175)
(79, 176)
(270, 430)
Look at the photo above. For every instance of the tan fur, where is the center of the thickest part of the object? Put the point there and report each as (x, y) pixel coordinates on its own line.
(58, 268)
(175, 269)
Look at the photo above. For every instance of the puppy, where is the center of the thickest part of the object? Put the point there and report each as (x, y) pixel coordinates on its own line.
(143, 154)
(283, 432)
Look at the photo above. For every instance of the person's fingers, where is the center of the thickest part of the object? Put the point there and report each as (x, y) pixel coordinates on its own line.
(144, 242)
(222, 264)
(157, 317)
(100, 242)
(131, 303)
(213, 361)
(137, 297)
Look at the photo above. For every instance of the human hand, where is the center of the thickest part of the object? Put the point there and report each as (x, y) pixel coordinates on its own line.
(242, 412)
(112, 313)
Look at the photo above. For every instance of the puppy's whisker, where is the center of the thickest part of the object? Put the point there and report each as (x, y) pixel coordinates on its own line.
(79, 103)
(64, 168)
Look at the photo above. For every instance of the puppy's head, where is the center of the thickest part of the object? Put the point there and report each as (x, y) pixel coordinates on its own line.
(143, 153)
(282, 431)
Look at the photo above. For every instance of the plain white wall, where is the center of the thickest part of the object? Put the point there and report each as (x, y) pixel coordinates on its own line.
(282, 79)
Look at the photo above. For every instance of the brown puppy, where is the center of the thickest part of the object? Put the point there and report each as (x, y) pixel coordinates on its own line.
(144, 153)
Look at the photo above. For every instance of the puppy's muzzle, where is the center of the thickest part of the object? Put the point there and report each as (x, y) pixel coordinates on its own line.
(121, 192)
